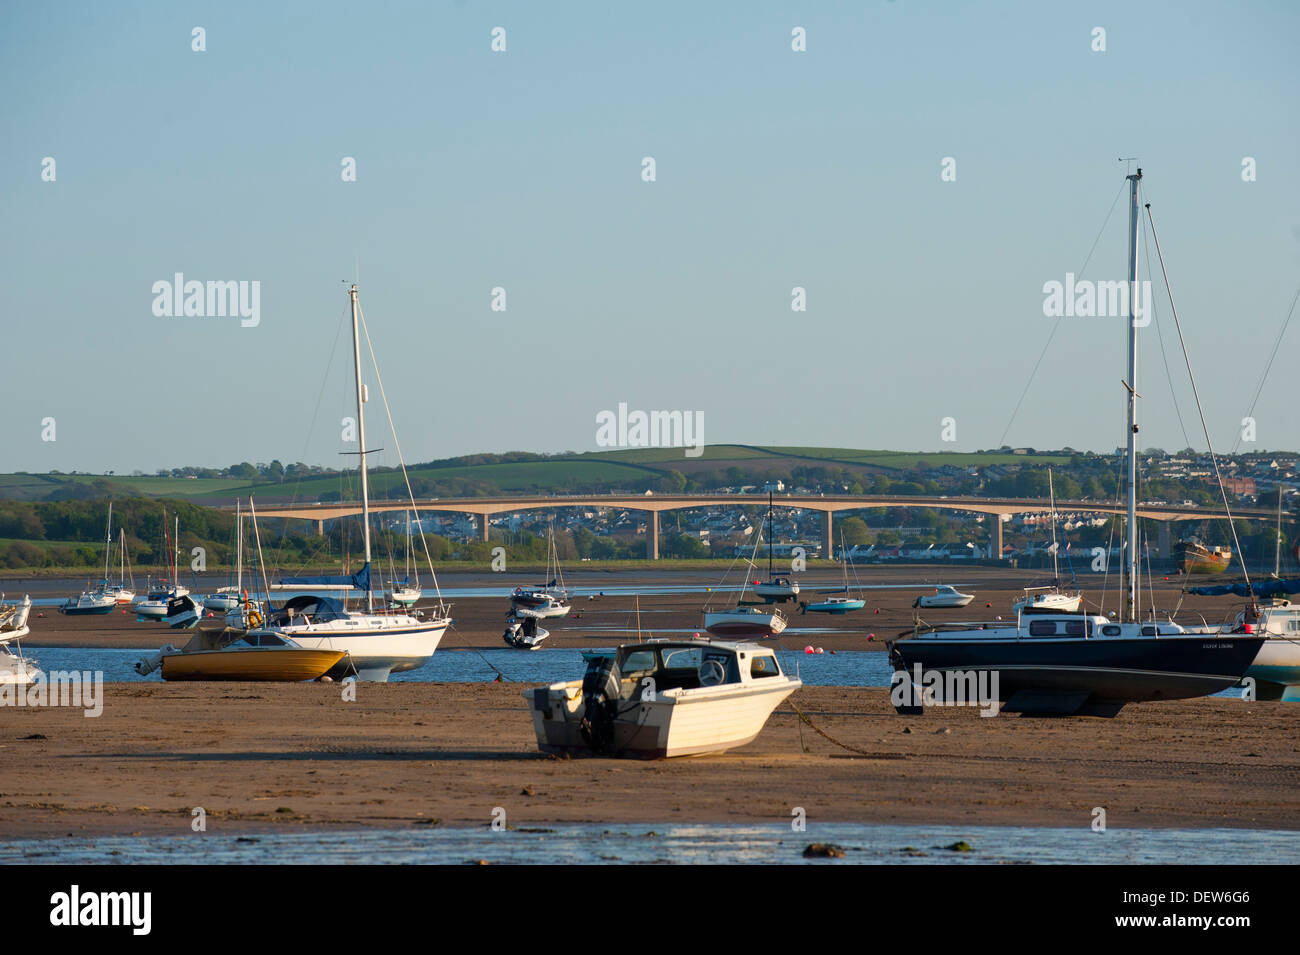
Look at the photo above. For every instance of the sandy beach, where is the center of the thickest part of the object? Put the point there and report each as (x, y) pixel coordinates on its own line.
(258, 756)
(262, 756)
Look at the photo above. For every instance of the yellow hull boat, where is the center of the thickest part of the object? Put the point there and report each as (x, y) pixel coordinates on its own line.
(251, 664)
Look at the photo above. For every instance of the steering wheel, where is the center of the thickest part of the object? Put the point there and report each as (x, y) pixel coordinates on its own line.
(712, 673)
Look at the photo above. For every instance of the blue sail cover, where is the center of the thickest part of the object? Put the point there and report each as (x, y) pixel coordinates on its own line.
(1271, 587)
(360, 580)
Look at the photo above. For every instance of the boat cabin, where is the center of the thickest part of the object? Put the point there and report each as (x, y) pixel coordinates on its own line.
(307, 608)
(686, 665)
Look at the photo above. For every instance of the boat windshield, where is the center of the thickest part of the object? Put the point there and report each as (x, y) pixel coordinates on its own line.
(676, 667)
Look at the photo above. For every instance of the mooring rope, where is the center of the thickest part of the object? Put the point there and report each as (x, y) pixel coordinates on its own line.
(852, 749)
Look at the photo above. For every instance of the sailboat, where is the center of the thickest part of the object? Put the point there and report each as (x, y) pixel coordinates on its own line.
(123, 593)
(155, 602)
(1078, 663)
(1049, 599)
(100, 600)
(550, 599)
(377, 643)
(229, 597)
(778, 588)
(407, 593)
(836, 605)
(15, 669)
(744, 621)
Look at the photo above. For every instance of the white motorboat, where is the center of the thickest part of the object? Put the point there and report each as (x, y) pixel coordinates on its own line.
(944, 596)
(1047, 600)
(376, 643)
(15, 668)
(662, 698)
(522, 632)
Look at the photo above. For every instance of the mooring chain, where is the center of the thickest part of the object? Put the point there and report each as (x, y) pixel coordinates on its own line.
(852, 749)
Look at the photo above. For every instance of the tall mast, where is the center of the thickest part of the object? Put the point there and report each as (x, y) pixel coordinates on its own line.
(771, 535)
(108, 540)
(176, 553)
(361, 439)
(239, 551)
(1135, 191)
(1051, 494)
(1277, 552)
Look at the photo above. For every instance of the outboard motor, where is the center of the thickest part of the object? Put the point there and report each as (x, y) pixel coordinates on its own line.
(600, 689)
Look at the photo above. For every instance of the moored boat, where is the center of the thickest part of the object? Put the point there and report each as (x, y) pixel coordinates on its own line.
(662, 698)
(944, 596)
(1195, 557)
(15, 668)
(264, 658)
(377, 643)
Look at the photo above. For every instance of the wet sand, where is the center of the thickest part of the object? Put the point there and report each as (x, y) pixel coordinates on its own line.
(261, 756)
(610, 619)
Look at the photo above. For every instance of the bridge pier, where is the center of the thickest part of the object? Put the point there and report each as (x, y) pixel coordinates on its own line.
(995, 537)
(320, 528)
(483, 527)
(652, 536)
(828, 535)
(1165, 549)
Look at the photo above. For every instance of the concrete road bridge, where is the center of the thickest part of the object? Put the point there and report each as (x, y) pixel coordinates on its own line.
(654, 504)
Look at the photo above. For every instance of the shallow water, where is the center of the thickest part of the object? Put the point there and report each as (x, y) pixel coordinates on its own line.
(547, 665)
(675, 843)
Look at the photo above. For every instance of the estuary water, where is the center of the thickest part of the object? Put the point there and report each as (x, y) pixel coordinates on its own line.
(649, 843)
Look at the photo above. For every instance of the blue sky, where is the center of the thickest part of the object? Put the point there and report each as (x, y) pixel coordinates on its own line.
(522, 170)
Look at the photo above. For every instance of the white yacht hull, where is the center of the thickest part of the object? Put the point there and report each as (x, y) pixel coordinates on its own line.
(376, 645)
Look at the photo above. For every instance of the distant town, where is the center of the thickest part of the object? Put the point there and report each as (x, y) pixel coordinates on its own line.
(54, 520)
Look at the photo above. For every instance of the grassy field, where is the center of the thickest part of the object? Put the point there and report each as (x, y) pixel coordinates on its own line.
(636, 465)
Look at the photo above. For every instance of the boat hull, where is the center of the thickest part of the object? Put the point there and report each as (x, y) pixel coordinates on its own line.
(836, 607)
(255, 664)
(679, 723)
(741, 626)
(371, 654)
(1091, 671)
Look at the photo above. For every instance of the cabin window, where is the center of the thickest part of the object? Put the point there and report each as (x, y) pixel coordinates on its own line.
(764, 666)
(1074, 628)
(638, 660)
(687, 658)
(1149, 631)
(1110, 630)
(1042, 628)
